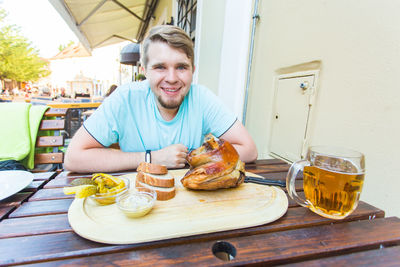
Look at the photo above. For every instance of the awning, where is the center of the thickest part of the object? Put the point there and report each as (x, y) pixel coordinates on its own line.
(99, 23)
(72, 51)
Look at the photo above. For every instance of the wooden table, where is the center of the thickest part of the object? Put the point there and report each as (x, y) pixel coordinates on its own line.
(34, 230)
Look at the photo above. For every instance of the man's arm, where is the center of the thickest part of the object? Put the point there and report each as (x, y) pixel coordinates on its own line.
(240, 138)
(85, 154)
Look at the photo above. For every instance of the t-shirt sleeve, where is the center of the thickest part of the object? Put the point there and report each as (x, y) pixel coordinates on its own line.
(217, 117)
(102, 125)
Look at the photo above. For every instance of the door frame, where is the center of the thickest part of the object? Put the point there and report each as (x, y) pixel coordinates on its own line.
(311, 92)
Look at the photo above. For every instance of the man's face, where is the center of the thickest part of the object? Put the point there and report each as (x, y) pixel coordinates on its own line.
(169, 72)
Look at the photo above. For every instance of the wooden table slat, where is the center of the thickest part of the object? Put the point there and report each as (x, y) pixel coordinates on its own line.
(269, 168)
(271, 248)
(383, 257)
(49, 194)
(16, 199)
(68, 174)
(44, 175)
(37, 225)
(59, 182)
(281, 176)
(34, 186)
(45, 207)
(265, 162)
(4, 211)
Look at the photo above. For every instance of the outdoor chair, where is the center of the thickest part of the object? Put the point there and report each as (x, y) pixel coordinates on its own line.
(50, 141)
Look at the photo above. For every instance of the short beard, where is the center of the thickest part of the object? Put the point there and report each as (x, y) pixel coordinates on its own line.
(172, 105)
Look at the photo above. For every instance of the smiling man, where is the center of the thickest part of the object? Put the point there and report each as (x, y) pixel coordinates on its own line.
(163, 117)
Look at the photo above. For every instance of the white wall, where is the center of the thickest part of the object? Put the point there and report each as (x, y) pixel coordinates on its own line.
(358, 101)
(221, 49)
(234, 54)
(208, 43)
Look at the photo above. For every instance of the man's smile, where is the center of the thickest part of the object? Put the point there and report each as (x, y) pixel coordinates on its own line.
(170, 90)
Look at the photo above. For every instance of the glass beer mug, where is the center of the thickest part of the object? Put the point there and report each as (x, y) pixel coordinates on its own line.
(332, 179)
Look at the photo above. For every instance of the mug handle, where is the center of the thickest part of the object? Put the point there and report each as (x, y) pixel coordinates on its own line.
(291, 179)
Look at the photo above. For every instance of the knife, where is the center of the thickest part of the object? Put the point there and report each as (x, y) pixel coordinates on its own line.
(258, 180)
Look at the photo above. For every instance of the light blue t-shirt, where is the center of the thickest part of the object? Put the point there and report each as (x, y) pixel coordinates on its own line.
(130, 117)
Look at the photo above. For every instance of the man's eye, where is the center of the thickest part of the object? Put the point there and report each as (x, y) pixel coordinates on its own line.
(182, 67)
(159, 67)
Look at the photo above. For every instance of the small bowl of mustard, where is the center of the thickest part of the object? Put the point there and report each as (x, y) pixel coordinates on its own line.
(137, 202)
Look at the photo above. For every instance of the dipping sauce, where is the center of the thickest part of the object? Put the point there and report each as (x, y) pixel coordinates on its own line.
(136, 204)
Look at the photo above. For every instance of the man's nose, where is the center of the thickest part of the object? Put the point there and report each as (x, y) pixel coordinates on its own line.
(171, 75)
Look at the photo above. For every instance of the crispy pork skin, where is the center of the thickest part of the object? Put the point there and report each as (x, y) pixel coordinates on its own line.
(214, 165)
(213, 151)
(200, 181)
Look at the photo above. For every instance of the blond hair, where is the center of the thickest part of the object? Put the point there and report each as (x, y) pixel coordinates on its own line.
(173, 36)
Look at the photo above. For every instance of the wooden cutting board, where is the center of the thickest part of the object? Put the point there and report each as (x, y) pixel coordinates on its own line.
(188, 213)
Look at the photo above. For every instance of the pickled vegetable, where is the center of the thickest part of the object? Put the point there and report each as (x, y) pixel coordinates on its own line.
(81, 191)
(103, 187)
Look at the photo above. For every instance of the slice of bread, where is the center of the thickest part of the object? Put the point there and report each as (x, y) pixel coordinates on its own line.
(152, 168)
(164, 180)
(163, 193)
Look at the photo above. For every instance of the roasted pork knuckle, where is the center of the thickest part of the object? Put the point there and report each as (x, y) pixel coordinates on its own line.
(214, 165)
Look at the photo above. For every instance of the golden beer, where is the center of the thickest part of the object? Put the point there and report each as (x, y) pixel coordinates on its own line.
(332, 194)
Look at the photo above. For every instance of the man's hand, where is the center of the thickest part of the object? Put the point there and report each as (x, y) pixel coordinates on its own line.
(173, 156)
